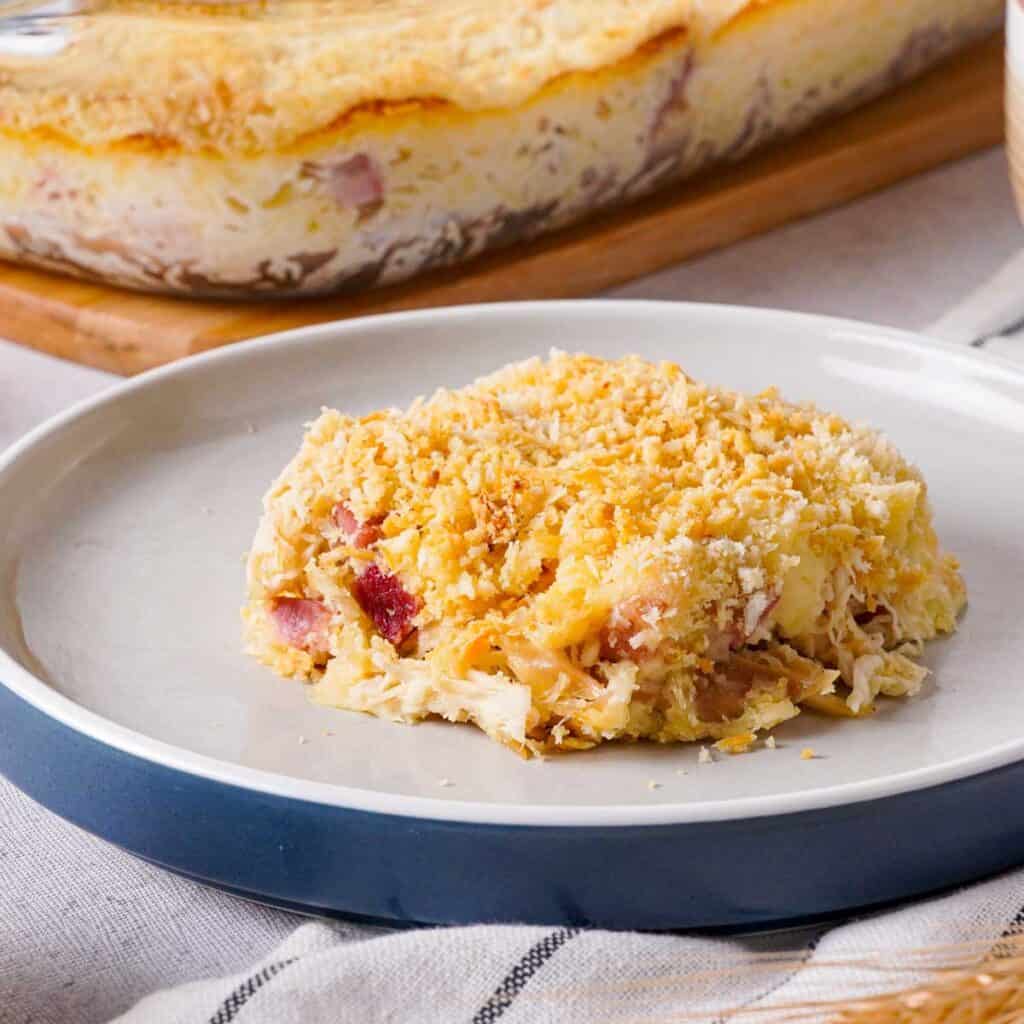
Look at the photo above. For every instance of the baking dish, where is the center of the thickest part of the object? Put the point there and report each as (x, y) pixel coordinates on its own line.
(310, 146)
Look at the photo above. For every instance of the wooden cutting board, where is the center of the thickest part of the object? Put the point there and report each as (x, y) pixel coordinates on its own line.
(954, 110)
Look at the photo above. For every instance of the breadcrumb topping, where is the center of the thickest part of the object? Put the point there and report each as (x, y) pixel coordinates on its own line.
(595, 548)
(237, 77)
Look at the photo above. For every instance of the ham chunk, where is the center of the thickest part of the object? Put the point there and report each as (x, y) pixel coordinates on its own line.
(388, 604)
(360, 534)
(301, 623)
(353, 182)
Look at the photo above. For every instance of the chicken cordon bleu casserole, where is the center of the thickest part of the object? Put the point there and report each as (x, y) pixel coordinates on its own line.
(311, 145)
(578, 550)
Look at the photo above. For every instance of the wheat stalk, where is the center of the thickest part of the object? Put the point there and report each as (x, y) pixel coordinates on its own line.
(992, 993)
(962, 983)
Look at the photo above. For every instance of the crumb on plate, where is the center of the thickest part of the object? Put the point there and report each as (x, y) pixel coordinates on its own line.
(738, 744)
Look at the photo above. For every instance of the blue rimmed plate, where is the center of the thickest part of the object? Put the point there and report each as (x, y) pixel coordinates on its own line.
(128, 708)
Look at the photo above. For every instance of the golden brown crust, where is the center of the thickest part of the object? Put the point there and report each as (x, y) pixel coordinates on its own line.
(239, 79)
(248, 77)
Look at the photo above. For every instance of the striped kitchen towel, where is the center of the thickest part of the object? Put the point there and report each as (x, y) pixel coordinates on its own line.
(958, 950)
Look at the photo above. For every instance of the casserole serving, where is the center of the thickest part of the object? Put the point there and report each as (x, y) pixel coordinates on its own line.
(578, 550)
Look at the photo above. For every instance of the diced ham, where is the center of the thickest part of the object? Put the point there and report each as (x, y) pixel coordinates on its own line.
(391, 607)
(354, 182)
(360, 534)
(623, 637)
(301, 623)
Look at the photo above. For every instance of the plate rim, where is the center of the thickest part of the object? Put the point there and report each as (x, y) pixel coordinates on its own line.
(25, 685)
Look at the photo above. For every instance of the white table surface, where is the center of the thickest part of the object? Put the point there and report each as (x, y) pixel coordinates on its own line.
(70, 905)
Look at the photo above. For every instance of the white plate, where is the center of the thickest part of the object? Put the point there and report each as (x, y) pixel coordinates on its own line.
(132, 535)
(127, 519)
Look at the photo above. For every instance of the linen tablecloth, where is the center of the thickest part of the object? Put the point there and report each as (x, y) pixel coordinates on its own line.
(86, 931)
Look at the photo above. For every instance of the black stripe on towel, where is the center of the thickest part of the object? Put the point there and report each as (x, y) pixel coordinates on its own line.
(228, 1010)
(1015, 927)
(1003, 947)
(516, 979)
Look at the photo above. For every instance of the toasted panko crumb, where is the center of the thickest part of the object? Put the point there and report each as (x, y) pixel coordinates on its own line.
(807, 754)
(738, 744)
(704, 757)
(770, 742)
